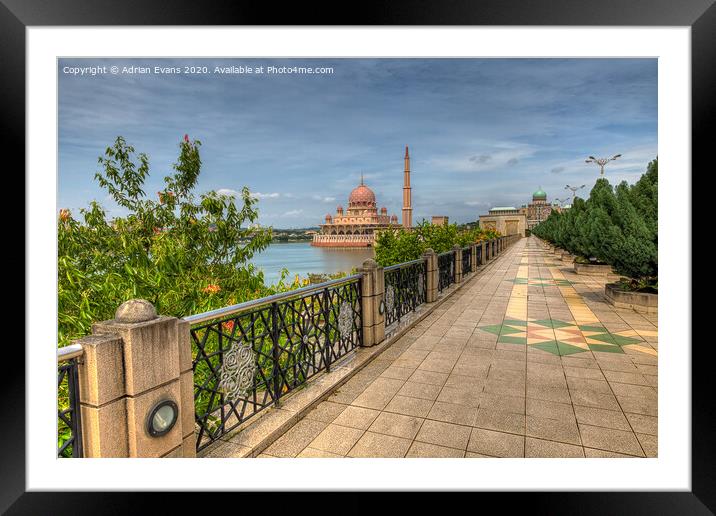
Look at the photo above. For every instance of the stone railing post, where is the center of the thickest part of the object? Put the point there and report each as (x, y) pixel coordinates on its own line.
(431, 287)
(134, 367)
(473, 258)
(458, 263)
(373, 306)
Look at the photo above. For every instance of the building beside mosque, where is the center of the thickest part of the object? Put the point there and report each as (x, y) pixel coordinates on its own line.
(359, 224)
(539, 209)
(509, 220)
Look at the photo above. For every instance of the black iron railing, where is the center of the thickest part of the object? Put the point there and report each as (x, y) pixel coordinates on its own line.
(69, 416)
(467, 260)
(247, 356)
(405, 289)
(478, 250)
(446, 270)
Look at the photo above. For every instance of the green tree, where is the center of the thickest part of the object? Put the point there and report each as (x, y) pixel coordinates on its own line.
(573, 222)
(600, 231)
(548, 227)
(396, 246)
(182, 252)
(618, 226)
(636, 249)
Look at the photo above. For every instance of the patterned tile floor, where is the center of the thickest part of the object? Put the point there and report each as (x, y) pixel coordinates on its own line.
(528, 360)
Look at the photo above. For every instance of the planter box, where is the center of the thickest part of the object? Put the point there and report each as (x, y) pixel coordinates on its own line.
(638, 301)
(568, 258)
(589, 269)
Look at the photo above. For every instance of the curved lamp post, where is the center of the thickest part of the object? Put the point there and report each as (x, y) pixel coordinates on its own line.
(601, 162)
(561, 201)
(574, 190)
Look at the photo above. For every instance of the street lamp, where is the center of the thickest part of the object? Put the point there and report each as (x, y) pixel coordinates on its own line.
(574, 190)
(601, 162)
(561, 201)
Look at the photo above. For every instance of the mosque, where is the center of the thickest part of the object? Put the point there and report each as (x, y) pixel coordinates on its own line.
(509, 220)
(361, 222)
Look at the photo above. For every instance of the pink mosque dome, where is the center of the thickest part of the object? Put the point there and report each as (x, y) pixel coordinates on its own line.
(361, 194)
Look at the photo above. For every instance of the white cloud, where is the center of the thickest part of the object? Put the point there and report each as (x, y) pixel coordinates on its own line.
(228, 191)
(259, 195)
(256, 195)
(323, 199)
(292, 213)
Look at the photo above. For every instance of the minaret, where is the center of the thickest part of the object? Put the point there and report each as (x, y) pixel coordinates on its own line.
(407, 200)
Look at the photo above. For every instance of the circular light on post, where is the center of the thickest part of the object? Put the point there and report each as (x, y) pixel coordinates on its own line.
(162, 418)
(381, 307)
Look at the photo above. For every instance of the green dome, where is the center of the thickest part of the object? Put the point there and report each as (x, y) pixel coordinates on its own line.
(539, 194)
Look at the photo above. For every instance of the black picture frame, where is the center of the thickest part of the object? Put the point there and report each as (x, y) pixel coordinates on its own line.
(700, 15)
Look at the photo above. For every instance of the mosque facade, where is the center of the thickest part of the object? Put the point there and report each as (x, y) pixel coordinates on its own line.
(361, 222)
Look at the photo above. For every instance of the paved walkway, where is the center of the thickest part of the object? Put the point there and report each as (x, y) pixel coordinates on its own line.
(528, 360)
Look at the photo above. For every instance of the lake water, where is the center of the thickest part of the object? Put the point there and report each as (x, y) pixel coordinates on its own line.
(302, 258)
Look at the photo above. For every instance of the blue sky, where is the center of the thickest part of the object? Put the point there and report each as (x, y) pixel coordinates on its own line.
(482, 132)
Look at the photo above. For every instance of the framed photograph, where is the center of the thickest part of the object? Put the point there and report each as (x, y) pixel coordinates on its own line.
(413, 252)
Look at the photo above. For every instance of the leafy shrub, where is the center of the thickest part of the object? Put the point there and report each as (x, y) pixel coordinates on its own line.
(184, 253)
(400, 245)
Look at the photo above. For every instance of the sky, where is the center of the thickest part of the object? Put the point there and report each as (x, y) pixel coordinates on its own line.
(481, 132)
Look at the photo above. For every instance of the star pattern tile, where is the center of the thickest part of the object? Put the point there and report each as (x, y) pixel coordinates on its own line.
(561, 337)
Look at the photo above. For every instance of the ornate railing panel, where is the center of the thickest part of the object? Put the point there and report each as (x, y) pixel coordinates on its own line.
(446, 270)
(246, 357)
(69, 416)
(467, 260)
(405, 289)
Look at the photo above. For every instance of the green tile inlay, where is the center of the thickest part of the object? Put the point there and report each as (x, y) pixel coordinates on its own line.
(549, 346)
(605, 348)
(506, 339)
(553, 323)
(585, 327)
(507, 330)
(604, 337)
(623, 341)
(568, 349)
(493, 328)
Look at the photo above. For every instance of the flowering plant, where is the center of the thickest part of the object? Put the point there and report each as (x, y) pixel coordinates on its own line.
(185, 253)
